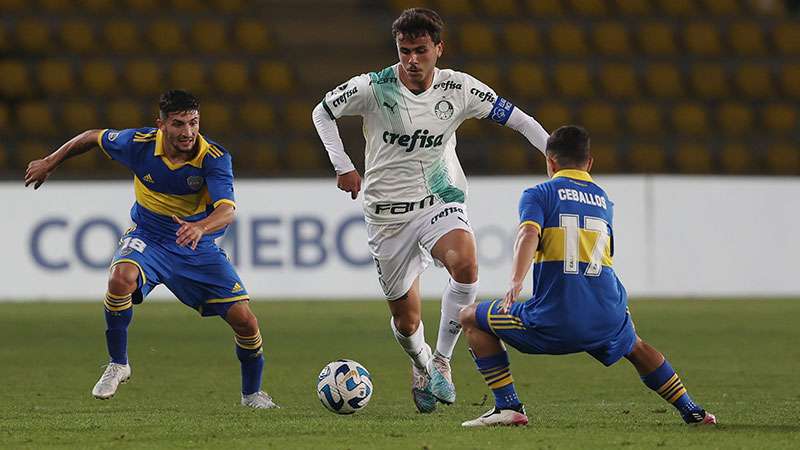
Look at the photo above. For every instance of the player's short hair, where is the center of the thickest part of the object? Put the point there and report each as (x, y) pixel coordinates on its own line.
(417, 22)
(176, 100)
(569, 145)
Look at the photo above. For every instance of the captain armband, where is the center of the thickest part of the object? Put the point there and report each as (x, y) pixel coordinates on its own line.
(501, 111)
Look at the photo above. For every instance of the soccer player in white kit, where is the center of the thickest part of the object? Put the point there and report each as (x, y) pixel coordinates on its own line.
(414, 187)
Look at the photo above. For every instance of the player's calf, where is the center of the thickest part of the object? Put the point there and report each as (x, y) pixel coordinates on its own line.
(657, 374)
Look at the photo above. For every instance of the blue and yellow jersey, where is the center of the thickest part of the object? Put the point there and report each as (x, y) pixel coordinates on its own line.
(189, 190)
(574, 284)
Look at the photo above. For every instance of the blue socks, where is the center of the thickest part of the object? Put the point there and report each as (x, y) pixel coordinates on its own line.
(669, 386)
(118, 312)
(251, 356)
(495, 370)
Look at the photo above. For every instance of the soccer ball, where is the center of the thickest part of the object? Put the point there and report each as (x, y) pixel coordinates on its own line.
(344, 386)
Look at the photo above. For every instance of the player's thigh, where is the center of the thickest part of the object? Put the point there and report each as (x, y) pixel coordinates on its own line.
(619, 345)
(445, 232)
(137, 250)
(509, 327)
(399, 260)
(207, 282)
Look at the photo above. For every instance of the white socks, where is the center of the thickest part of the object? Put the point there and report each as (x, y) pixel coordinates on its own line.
(414, 345)
(456, 297)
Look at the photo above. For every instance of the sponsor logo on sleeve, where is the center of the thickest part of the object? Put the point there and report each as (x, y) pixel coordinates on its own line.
(341, 100)
(112, 135)
(483, 96)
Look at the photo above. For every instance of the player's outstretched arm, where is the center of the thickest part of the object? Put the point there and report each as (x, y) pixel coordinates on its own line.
(38, 170)
(526, 125)
(190, 233)
(347, 177)
(524, 251)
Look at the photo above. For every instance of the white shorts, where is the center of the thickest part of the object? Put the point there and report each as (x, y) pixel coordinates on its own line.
(402, 251)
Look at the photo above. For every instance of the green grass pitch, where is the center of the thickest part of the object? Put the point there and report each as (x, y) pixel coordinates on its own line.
(738, 358)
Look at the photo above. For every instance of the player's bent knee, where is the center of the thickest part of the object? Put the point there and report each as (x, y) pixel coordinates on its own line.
(123, 279)
(467, 317)
(466, 271)
(407, 324)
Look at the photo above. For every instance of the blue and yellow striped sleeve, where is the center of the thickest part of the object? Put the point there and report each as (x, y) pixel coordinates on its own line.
(119, 144)
(219, 178)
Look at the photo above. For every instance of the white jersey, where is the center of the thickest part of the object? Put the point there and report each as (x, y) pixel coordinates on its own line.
(410, 155)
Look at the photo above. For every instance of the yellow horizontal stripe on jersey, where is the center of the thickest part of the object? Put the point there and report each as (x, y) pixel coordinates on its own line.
(169, 204)
(552, 246)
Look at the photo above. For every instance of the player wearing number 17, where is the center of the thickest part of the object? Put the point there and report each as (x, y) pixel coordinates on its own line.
(578, 303)
(184, 200)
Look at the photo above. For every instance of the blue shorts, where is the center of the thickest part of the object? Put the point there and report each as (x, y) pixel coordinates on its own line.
(203, 279)
(512, 329)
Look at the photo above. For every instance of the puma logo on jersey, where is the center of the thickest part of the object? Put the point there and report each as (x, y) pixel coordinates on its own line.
(148, 178)
(423, 138)
(392, 107)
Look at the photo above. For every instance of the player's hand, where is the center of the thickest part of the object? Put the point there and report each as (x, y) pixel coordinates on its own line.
(189, 233)
(349, 182)
(38, 171)
(510, 297)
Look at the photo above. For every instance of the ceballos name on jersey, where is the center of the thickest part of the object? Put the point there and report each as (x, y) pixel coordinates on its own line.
(421, 138)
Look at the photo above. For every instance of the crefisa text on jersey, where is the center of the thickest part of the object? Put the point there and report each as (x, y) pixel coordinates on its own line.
(582, 197)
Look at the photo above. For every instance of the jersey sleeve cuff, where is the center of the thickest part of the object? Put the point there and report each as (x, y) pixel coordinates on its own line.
(100, 143)
(535, 224)
(225, 201)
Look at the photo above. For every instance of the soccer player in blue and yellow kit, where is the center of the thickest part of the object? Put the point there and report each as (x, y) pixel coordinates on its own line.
(578, 303)
(184, 201)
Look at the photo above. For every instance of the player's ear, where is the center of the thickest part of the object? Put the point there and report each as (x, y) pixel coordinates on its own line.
(589, 164)
(439, 49)
(159, 123)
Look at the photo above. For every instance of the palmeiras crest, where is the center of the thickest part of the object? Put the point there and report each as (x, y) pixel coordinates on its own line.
(443, 109)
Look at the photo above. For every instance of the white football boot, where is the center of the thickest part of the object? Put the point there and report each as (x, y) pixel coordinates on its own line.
(442, 386)
(499, 417)
(258, 400)
(421, 392)
(114, 375)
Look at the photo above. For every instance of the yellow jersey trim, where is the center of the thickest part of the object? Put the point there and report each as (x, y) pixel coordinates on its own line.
(535, 224)
(574, 174)
(197, 161)
(141, 271)
(169, 204)
(100, 143)
(225, 200)
(552, 247)
(228, 300)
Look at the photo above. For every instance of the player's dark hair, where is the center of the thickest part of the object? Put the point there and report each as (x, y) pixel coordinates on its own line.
(417, 22)
(176, 100)
(569, 145)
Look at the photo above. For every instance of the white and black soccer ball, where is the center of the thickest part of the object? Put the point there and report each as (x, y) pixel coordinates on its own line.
(344, 386)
